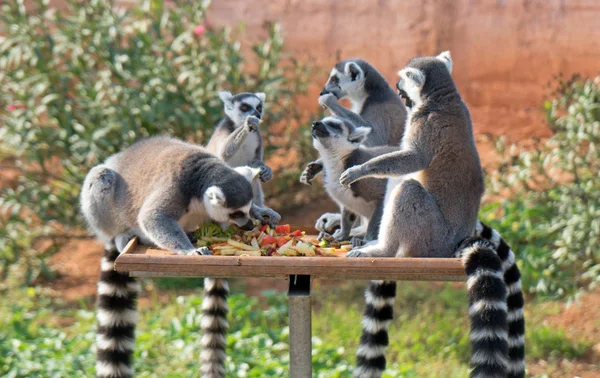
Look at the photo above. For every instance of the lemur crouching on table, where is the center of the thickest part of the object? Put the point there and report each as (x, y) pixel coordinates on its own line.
(157, 189)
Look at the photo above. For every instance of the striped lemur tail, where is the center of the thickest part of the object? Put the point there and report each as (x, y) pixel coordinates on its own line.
(514, 300)
(487, 308)
(214, 328)
(117, 317)
(379, 312)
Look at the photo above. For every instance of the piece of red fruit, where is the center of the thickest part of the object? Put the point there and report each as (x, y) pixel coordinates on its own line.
(296, 233)
(282, 240)
(263, 228)
(283, 229)
(268, 239)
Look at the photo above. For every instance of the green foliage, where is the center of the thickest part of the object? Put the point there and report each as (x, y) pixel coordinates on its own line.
(44, 338)
(80, 84)
(552, 215)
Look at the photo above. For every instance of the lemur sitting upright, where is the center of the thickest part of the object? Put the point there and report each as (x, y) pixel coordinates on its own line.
(435, 178)
(374, 104)
(339, 143)
(238, 142)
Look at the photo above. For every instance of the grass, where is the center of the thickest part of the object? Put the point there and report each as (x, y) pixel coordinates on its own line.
(43, 337)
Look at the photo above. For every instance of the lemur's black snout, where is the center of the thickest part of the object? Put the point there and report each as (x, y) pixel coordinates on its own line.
(323, 92)
(319, 130)
(248, 226)
(256, 113)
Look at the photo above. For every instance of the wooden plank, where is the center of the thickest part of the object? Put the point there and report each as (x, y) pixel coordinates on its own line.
(150, 262)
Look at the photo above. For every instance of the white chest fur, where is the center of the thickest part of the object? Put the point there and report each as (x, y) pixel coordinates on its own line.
(247, 151)
(342, 195)
(194, 217)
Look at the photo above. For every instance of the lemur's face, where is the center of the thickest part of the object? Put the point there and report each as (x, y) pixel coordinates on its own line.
(409, 86)
(345, 80)
(215, 203)
(243, 105)
(413, 77)
(333, 133)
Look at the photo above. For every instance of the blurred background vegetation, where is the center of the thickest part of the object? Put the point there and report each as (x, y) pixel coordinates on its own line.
(82, 83)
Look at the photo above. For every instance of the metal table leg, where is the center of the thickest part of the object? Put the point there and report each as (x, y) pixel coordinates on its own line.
(300, 327)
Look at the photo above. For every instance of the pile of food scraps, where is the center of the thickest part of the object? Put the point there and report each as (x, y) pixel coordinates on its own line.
(265, 241)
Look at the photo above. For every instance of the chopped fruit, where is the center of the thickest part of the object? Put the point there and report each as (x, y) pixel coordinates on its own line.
(265, 241)
(283, 229)
(282, 240)
(268, 239)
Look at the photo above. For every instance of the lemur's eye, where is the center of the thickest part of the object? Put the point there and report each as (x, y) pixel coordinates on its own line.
(334, 80)
(335, 126)
(236, 214)
(244, 107)
(259, 108)
(409, 75)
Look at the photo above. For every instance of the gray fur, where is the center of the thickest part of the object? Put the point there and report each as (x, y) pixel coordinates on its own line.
(160, 188)
(435, 177)
(374, 104)
(238, 142)
(339, 143)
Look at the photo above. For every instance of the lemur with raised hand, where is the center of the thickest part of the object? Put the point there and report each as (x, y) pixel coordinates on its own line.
(238, 142)
(374, 104)
(435, 184)
(339, 143)
(157, 189)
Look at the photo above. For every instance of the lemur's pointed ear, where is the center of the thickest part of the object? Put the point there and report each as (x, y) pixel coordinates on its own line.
(359, 134)
(226, 97)
(214, 195)
(249, 173)
(261, 96)
(447, 59)
(354, 71)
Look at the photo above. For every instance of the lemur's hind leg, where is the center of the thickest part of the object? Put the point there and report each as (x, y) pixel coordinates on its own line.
(412, 225)
(96, 200)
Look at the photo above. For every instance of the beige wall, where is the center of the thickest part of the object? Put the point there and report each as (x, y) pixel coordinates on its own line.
(505, 52)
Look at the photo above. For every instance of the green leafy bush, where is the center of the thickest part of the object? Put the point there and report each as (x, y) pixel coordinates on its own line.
(552, 213)
(79, 84)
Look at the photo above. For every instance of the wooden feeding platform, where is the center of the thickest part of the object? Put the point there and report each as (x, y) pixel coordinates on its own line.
(143, 261)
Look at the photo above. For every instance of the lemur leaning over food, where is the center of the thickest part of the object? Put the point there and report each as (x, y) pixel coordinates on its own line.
(374, 104)
(157, 189)
(435, 184)
(236, 140)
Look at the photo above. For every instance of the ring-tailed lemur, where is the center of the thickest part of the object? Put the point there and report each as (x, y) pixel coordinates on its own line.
(380, 295)
(514, 301)
(237, 140)
(435, 179)
(339, 143)
(156, 189)
(374, 104)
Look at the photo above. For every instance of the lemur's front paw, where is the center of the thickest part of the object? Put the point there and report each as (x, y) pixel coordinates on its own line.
(252, 123)
(357, 253)
(339, 235)
(201, 251)
(327, 100)
(266, 173)
(328, 222)
(267, 216)
(309, 173)
(351, 175)
(356, 242)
